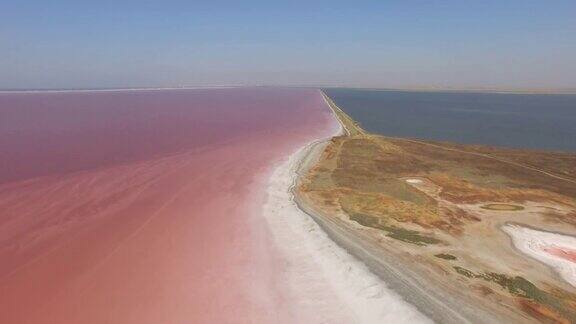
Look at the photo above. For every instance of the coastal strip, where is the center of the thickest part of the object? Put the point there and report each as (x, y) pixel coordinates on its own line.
(404, 278)
(324, 282)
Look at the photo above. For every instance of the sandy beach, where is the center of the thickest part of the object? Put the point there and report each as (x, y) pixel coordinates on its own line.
(324, 281)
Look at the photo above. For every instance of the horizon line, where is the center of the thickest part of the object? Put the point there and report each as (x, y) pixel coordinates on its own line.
(510, 90)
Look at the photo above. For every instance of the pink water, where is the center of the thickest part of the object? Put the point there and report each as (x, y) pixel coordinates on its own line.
(143, 207)
(564, 253)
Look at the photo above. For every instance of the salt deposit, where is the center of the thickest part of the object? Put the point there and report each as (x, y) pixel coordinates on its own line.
(325, 283)
(545, 247)
(414, 181)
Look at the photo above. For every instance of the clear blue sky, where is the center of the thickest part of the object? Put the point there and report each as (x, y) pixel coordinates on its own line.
(456, 43)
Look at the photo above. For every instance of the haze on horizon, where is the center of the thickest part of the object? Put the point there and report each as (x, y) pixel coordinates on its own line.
(128, 43)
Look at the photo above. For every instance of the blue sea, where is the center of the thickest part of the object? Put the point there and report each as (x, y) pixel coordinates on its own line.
(532, 121)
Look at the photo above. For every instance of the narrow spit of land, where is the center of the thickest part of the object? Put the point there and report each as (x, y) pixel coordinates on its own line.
(414, 212)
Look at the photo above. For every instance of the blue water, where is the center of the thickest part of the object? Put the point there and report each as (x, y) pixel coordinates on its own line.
(534, 121)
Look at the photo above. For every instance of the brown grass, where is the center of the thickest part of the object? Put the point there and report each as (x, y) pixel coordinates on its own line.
(363, 175)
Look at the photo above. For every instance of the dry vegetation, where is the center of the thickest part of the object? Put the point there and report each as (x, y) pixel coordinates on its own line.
(365, 174)
(364, 177)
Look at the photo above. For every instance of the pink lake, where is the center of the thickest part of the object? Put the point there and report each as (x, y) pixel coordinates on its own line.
(143, 206)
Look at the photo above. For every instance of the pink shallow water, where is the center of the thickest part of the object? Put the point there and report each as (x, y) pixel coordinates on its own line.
(564, 253)
(143, 207)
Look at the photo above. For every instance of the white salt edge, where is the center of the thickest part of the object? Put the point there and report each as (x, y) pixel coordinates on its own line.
(533, 242)
(413, 180)
(325, 283)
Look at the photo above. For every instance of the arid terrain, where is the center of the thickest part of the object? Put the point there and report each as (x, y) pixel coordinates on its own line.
(445, 221)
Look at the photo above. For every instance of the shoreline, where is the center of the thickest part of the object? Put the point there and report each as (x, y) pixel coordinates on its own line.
(467, 90)
(409, 288)
(42, 91)
(324, 282)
